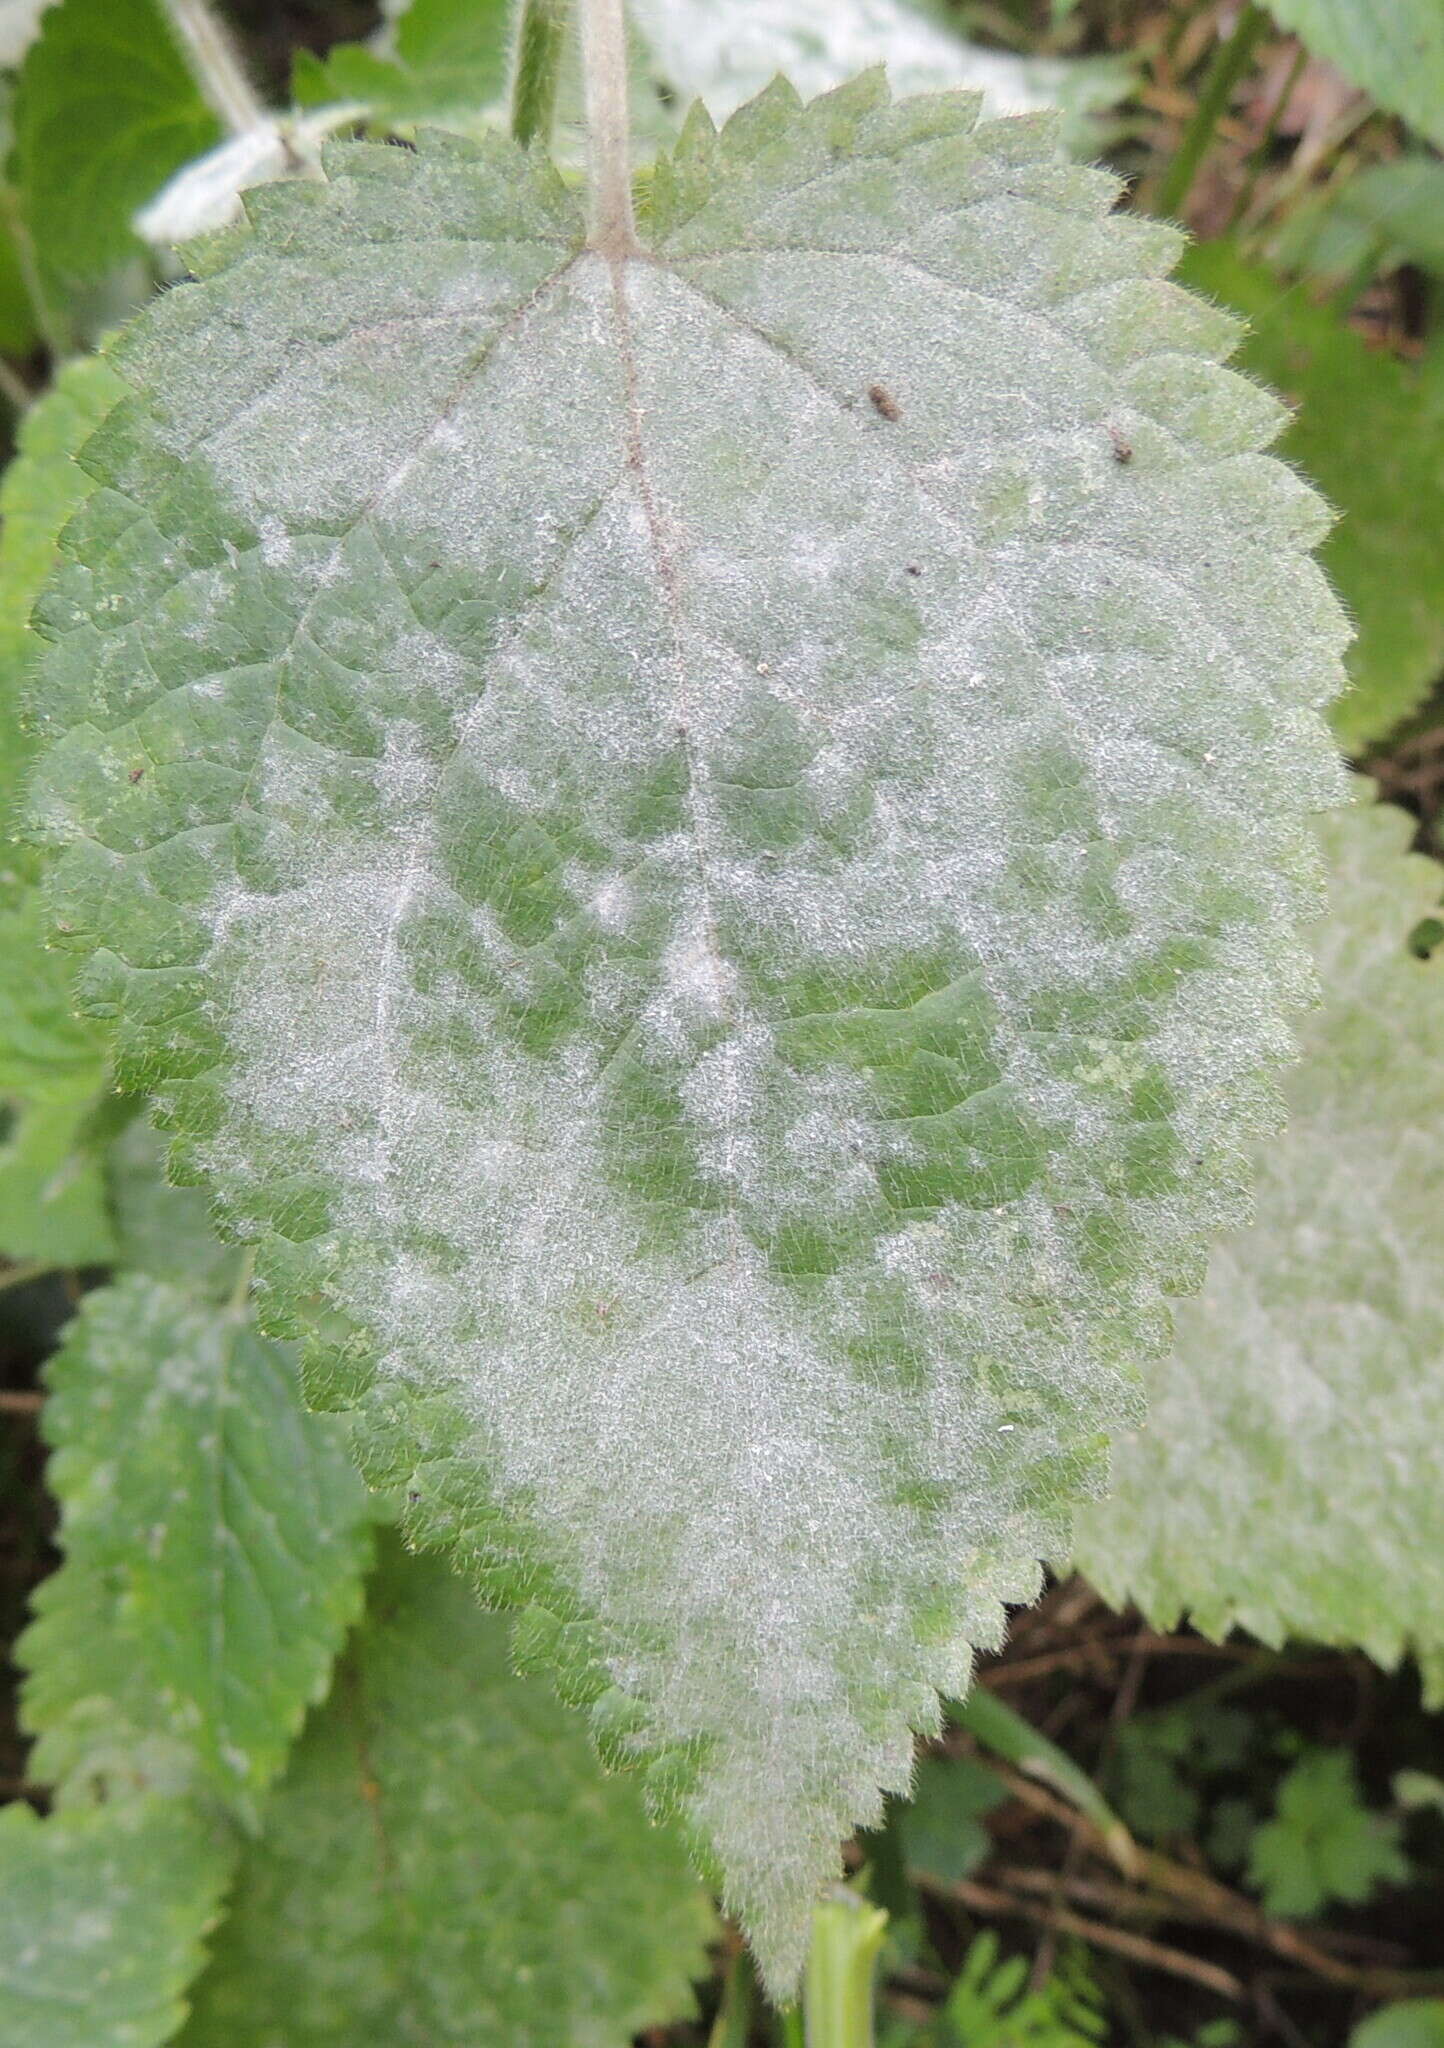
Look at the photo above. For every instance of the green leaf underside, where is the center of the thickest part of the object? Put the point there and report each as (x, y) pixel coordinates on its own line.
(730, 930)
(105, 111)
(102, 1913)
(1392, 49)
(1252, 1499)
(213, 1539)
(444, 1863)
(1365, 435)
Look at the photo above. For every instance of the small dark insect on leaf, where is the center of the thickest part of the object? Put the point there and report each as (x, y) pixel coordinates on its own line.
(914, 569)
(884, 401)
(1122, 449)
(136, 773)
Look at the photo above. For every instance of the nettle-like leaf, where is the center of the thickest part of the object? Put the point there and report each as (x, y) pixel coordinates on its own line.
(213, 1537)
(712, 878)
(444, 1862)
(52, 1198)
(1249, 1499)
(102, 1914)
(1370, 435)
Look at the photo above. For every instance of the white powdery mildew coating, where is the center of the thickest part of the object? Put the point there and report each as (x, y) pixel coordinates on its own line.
(759, 799)
(1288, 1480)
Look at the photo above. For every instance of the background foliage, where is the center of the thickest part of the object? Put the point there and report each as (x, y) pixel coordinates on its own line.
(215, 1807)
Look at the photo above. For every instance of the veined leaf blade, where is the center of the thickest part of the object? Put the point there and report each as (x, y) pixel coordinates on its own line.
(714, 875)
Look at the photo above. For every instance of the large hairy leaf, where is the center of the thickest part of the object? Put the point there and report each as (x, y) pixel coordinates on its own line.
(213, 1539)
(102, 1913)
(1393, 49)
(1253, 1498)
(444, 1863)
(712, 877)
(1369, 434)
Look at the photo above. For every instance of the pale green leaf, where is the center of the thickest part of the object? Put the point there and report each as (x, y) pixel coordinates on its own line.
(1288, 1479)
(1369, 435)
(1392, 49)
(213, 1542)
(102, 1914)
(713, 876)
(161, 1230)
(42, 486)
(52, 1196)
(52, 1193)
(105, 111)
(444, 1862)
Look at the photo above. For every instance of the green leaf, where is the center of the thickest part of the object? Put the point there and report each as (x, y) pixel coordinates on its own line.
(713, 878)
(1392, 49)
(1323, 1844)
(443, 60)
(1253, 1499)
(102, 1914)
(1367, 434)
(445, 1864)
(943, 1831)
(52, 1195)
(42, 487)
(105, 111)
(213, 1540)
(992, 2005)
(161, 1230)
(1417, 2023)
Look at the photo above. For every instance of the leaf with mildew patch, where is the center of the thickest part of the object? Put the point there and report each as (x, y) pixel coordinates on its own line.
(1250, 1501)
(713, 880)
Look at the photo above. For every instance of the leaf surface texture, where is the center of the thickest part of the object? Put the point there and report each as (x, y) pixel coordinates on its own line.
(444, 1862)
(102, 1914)
(213, 1540)
(713, 877)
(1252, 1499)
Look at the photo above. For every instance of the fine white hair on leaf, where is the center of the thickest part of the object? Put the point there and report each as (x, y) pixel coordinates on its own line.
(726, 939)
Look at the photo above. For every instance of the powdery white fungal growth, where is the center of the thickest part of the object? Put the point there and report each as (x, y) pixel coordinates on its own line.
(1249, 1500)
(726, 939)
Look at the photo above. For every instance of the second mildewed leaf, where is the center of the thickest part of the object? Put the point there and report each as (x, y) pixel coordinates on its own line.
(711, 873)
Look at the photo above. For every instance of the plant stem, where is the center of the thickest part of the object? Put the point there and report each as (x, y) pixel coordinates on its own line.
(215, 66)
(732, 2027)
(837, 1994)
(604, 59)
(1230, 60)
(541, 36)
(995, 1727)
